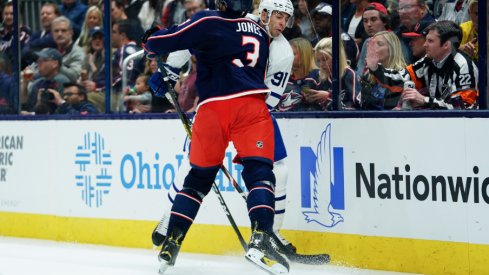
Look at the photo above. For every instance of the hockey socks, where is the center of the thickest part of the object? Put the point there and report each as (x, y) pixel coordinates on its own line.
(184, 210)
(261, 206)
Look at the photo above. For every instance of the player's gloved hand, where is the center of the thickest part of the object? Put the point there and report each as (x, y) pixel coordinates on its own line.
(157, 82)
(148, 34)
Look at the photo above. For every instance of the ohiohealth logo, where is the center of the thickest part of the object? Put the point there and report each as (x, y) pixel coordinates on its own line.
(93, 161)
(323, 194)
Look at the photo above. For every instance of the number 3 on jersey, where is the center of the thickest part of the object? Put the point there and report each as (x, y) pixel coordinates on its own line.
(251, 56)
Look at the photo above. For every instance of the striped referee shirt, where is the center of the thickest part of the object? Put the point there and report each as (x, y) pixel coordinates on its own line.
(449, 84)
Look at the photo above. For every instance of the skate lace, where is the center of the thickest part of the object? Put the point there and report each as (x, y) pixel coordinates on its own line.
(281, 238)
(162, 227)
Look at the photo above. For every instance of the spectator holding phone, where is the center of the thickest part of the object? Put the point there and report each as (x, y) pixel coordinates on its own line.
(319, 96)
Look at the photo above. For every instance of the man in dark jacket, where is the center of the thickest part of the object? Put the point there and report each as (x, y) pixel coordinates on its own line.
(74, 100)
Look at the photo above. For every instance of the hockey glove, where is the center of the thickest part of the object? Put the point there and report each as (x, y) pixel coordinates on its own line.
(157, 82)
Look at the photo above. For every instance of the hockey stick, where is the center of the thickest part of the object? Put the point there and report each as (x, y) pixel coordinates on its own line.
(314, 259)
(187, 126)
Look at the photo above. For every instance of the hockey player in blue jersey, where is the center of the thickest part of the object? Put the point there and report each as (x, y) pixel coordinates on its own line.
(232, 55)
(275, 16)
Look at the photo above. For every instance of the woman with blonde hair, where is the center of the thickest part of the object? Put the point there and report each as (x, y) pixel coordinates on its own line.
(373, 96)
(93, 18)
(320, 94)
(302, 66)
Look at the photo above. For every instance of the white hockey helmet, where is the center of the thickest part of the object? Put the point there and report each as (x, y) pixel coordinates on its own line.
(285, 6)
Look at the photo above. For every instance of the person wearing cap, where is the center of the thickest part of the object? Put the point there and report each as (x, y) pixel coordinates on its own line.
(444, 78)
(375, 19)
(49, 63)
(417, 40)
(93, 73)
(322, 19)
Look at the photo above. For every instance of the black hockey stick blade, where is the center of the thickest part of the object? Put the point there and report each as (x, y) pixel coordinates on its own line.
(292, 255)
(313, 259)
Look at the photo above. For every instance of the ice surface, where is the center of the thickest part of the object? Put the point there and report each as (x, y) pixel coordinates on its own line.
(27, 256)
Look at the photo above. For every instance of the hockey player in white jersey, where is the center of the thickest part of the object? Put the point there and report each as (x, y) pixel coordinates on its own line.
(274, 16)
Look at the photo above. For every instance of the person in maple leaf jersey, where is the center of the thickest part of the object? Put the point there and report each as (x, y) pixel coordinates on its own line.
(232, 54)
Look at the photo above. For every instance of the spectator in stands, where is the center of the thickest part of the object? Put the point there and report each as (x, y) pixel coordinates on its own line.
(456, 11)
(417, 40)
(118, 13)
(8, 98)
(124, 44)
(75, 11)
(73, 55)
(150, 14)
(138, 99)
(74, 100)
(93, 18)
(375, 19)
(354, 25)
(33, 93)
(133, 7)
(319, 94)
(97, 3)
(449, 77)
(322, 19)
(469, 43)
(173, 13)
(394, 20)
(186, 89)
(192, 6)
(411, 13)
(373, 95)
(303, 19)
(94, 65)
(7, 32)
(42, 39)
(302, 66)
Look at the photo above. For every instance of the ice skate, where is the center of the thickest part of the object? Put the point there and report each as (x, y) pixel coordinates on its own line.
(286, 247)
(169, 251)
(263, 251)
(159, 233)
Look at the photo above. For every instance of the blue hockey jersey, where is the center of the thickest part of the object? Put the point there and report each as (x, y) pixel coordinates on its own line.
(231, 53)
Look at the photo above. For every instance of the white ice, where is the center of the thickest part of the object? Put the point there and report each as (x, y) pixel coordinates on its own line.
(27, 256)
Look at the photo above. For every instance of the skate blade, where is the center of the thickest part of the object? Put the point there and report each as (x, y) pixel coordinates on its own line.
(258, 258)
(163, 267)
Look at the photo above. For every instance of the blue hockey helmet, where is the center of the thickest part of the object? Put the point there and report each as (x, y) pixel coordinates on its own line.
(236, 7)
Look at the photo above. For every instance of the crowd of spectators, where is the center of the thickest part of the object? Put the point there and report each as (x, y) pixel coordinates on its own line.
(384, 43)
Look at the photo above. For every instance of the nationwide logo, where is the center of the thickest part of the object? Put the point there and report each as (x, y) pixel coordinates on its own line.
(322, 182)
(93, 161)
